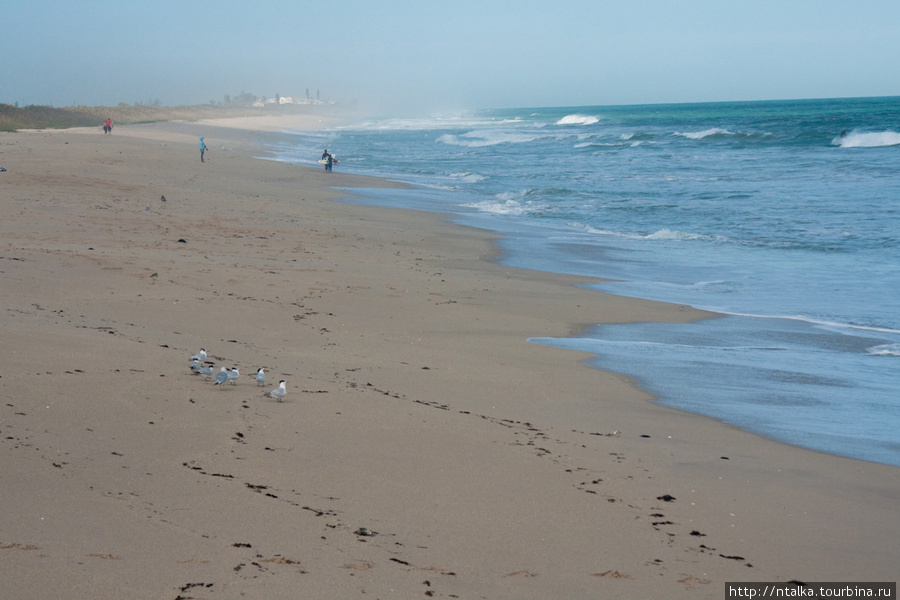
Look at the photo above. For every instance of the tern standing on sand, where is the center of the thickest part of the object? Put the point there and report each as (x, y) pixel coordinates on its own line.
(221, 377)
(261, 376)
(278, 393)
(233, 375)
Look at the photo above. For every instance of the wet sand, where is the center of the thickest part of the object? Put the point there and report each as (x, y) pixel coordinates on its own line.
(424, 448)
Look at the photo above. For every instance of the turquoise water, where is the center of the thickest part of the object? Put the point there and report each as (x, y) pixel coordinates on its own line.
(783, 216)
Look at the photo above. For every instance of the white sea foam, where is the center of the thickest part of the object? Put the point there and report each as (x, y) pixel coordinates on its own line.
(468, 177)
(486, 137)
(496, 207)
(699, 135)
(662, 234)
(619, 141)
(856, 139)
(578, 120)
(833, 325)
(438, 186)
(672, 234)
(508, 203)
(884, 350)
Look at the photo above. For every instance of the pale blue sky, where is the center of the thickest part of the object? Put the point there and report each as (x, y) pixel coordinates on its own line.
(421, 55)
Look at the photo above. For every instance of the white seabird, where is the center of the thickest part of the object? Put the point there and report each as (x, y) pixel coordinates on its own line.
(201, 356)
(233, 374)
(221, 376)
(278, 393)
(261, 376)
(206, 371)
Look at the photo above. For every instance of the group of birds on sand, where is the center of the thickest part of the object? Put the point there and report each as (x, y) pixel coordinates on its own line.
(199, 367)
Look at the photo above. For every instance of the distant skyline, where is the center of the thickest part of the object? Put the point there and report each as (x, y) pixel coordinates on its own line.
(410, 56)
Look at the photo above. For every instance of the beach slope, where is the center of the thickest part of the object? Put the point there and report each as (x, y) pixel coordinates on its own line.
(424, 448)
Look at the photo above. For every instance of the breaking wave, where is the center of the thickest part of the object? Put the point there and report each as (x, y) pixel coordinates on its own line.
(468, 177)
(508, 203)
(661, 234)
(699, 135)
(855, 139)
(884, 350)
(578, 120)
(481, 138)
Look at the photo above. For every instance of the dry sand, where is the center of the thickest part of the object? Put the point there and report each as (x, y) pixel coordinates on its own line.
(485, 466)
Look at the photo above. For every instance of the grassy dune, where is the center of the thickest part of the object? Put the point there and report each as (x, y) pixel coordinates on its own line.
(13, 118)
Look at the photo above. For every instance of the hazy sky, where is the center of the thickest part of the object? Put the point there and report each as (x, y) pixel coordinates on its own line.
(441, 54)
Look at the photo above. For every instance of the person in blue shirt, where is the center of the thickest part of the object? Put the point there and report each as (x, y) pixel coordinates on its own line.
(329, 160)
(203, 149)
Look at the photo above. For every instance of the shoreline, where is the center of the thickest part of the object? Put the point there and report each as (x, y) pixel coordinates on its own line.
(866, 445)
(488, 465)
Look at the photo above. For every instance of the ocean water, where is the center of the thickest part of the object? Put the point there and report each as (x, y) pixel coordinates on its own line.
(783, 216)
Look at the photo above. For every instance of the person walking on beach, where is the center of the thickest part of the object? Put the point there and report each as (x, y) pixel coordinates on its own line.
(107, 127)
(329, 160)
(203, 149)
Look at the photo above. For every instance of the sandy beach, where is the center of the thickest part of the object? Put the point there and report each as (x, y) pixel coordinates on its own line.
(425, 448)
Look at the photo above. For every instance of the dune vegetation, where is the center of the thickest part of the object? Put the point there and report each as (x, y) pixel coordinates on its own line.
(13, 118)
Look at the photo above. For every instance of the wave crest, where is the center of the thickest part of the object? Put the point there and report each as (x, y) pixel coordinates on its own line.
(856, 139)
(479, 139)
(699, 135)
(468, 177)
(508, 203)
(670, 234)
(884, 350)
(661, 234)
(578, 120)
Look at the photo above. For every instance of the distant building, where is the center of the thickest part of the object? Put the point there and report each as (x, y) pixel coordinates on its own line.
(264, 102)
